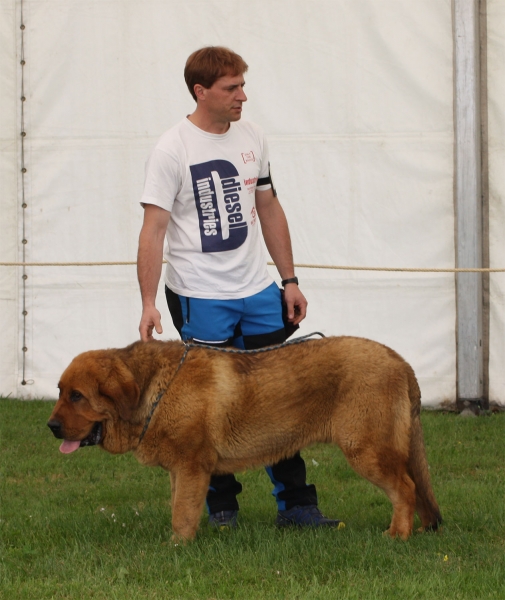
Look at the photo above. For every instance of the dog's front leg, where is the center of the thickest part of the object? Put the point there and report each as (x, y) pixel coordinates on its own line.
(173, 488)
(188, 499)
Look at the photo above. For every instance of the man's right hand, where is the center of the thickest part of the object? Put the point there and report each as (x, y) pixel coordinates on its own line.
(151, 319)
(149, 261)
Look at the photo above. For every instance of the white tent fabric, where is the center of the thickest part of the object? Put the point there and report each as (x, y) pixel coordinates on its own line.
(356, 99)
(9, 238)
(496, 123)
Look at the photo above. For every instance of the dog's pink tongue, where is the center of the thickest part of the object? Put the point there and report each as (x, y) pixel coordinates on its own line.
(68, 447)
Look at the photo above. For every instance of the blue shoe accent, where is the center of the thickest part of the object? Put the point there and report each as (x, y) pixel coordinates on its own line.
(224, 519)
(305, 516)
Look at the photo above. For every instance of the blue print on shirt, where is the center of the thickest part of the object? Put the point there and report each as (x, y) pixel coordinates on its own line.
(218, 232)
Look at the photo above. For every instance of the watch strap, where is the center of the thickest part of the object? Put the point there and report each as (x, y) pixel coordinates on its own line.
(290, 280)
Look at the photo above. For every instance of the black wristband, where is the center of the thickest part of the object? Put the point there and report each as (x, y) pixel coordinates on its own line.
(291, 280)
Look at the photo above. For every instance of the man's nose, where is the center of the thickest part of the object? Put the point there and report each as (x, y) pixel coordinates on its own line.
(241, 96)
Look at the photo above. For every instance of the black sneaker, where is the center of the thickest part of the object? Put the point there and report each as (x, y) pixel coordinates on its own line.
(224, 519)
(305, 516)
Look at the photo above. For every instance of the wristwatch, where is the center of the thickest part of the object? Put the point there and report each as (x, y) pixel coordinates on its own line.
(290, 280)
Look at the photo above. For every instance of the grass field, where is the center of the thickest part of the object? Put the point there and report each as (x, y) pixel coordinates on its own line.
(92, 525)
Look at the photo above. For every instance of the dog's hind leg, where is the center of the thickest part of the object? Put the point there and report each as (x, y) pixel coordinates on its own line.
(390, 474)
(188, 500)
(401, 491)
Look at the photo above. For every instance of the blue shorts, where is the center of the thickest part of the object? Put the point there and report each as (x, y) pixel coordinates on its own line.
(252, 322)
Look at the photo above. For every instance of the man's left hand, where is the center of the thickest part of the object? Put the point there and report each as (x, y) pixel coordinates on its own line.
(296, 303)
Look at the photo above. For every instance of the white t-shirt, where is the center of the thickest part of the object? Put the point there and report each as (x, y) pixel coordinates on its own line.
(207, 181)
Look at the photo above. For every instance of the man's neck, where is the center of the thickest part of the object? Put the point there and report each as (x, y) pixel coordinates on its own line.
(206, 123)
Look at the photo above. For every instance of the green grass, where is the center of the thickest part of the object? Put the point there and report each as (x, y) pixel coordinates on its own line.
(92, 525)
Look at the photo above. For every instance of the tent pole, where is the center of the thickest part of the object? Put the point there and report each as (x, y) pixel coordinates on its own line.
(468, 205)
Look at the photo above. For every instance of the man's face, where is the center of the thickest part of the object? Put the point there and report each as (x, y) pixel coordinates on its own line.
(223, 100)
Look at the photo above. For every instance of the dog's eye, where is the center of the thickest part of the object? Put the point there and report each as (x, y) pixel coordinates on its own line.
(75, 396)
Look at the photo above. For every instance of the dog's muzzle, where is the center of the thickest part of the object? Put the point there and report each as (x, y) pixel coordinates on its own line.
(55, 427)
(95, 437)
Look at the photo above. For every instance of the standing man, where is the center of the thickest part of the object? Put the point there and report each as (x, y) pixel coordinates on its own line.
(207, 190)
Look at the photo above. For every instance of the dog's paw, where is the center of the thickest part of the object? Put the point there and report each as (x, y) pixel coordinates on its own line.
(395, 533)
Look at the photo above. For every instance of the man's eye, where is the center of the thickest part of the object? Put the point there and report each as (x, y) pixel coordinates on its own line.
(75, 396)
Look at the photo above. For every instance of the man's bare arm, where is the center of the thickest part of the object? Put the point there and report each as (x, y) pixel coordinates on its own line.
(149, 263)
(278, 241)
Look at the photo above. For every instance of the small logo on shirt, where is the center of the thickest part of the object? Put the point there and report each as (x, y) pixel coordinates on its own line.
(248, 157)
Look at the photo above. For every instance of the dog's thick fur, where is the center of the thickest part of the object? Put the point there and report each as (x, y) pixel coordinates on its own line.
(225, 412)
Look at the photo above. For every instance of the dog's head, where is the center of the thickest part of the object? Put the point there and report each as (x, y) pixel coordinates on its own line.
(95, 388)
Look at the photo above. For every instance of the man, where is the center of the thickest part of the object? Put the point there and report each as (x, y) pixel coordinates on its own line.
(207, 190)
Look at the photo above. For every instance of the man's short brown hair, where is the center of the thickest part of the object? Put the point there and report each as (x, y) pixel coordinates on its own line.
(207, 65)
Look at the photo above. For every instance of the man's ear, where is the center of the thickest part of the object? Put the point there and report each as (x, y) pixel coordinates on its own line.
(199, 91)
(121, 387)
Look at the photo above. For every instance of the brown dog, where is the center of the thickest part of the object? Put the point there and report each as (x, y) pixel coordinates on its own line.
(196, 411)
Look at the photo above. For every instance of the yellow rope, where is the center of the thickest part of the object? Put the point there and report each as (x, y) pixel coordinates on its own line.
(300, 266)
(67, 264)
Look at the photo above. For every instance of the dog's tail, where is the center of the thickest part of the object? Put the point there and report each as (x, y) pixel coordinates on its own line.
(418, 468)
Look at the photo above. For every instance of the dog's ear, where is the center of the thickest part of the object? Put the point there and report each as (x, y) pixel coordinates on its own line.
(121, 387)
